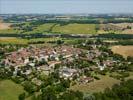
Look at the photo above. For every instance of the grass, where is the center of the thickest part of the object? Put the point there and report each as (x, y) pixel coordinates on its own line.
(130, 77)
(45, 27)
(68, 29)
(12, 40)
(10, 90)
(96, 85)
(72, 28)
(43, 39)
(9, 31)
(42, 28)
(75, 28)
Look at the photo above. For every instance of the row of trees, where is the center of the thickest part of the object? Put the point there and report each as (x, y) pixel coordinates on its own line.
(88, 21)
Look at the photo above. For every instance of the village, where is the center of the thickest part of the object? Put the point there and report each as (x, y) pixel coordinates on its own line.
(62, 66)
(71, 62)
(66, 50)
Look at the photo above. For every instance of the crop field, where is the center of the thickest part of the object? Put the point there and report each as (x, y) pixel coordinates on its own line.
(6, 29)
(42, 28)
(4, 26)
(123, 50)
(96, 85)
(12, 40)
(9, 31)
(123, 28)
(72, 28)
(125, 25)
(75, 28)
(57, 28)
(45, 27)
(67, 29)
(10, 90)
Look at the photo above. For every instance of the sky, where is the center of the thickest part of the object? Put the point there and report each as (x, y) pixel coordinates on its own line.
(65, 6)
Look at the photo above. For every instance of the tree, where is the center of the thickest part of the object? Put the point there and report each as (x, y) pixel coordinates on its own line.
(65, 83)
(22, 96)
(48, 94)
(60, 42)
(71, 95)
(123, 91)
(130, 59)
(129, 27)
(29, 87)
(59, 88)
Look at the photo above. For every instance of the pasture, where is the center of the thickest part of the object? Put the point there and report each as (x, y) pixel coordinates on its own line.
(12, 40)
(66, 29)
(75, 28)
(72, 28)
(10, 90)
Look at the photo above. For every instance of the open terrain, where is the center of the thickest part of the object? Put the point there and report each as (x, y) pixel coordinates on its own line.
(12, 40)
(66, 28)
(97, 85)
(75, 28)
(70, 28)
(10, 90)
(4, 26)
(128, 27)
(123, 50)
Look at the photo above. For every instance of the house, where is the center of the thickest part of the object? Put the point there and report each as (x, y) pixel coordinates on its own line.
(32, 64)
(44, 69)
(53, 63)
(28, 72)
(36, 81)
(67, 73)
(108, 63)
(101, 67)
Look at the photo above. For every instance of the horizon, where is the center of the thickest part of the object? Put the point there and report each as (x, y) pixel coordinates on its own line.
(66, 7)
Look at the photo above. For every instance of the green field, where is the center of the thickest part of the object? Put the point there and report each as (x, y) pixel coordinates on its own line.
(42, 28)
(67, 28)
(75, 29)
(55, 28)
(10, 90)
(9, 31)
(14, 40)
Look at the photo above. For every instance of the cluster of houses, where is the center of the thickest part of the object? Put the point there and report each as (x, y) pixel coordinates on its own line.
(31, 55)
(44, 59)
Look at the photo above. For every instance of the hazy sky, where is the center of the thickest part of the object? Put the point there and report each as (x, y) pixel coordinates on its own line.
(66, 6)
